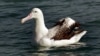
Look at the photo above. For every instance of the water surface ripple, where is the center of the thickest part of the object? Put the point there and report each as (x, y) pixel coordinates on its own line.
(16, 38)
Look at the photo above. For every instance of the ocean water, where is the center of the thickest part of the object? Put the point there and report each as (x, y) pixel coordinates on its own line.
(16, 38)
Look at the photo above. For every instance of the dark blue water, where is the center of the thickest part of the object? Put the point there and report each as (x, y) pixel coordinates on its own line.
(16, 38)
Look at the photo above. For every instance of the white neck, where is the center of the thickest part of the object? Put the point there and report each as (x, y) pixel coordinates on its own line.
(41, 29)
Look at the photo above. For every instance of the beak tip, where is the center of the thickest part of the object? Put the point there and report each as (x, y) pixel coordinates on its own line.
(22, 21)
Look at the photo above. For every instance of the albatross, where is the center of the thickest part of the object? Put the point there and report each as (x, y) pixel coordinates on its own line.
(65, 32)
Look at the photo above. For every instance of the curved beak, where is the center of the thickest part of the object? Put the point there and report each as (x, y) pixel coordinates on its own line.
(26, 18)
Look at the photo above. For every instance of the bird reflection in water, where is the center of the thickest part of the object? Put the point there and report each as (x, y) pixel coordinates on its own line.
(62, 51)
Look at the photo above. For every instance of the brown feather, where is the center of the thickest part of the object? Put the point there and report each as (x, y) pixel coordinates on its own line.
(66, 33)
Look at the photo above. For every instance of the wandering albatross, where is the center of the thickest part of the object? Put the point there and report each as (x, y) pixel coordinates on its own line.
(65, 32)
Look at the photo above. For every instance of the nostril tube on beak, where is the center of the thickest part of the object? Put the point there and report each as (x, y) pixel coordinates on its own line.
(26, 18)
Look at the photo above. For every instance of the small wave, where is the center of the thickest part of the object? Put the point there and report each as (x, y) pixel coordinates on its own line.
(67, 48)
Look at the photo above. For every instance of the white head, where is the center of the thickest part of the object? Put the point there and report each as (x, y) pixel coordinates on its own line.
(36, 13)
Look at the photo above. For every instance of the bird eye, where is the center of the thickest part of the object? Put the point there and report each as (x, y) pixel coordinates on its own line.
(35, 11)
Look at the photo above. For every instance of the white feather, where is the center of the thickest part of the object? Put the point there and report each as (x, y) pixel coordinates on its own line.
(44, 35)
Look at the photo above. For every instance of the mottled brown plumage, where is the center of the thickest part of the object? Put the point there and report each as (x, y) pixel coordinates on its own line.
(66, 33)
